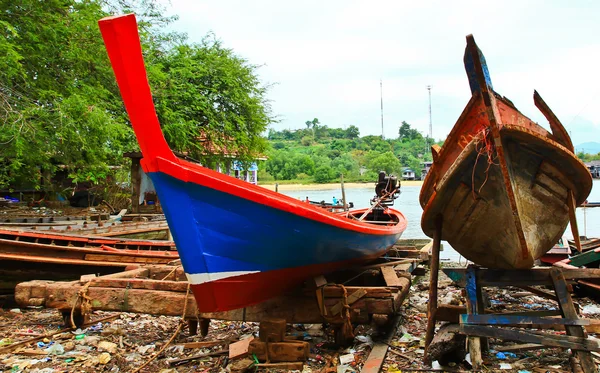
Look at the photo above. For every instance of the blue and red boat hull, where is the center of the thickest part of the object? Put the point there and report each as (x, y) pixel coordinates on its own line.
(237, 252)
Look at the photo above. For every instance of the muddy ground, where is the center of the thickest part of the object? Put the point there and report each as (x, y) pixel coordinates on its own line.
(129, 340)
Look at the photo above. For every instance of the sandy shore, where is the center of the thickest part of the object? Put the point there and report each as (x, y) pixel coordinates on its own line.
(332, 186)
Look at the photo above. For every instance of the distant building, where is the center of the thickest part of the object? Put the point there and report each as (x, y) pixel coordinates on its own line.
(426, 166)
(594, 167)
(143, 191)
(408, 174)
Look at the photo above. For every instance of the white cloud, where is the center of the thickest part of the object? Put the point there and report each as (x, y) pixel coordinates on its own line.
(327, 57)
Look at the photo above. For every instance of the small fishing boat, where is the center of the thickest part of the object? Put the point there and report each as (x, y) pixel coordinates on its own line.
(239, 243)
(502, 188)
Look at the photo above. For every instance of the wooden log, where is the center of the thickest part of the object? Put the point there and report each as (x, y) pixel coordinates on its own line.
(272, 330)
(133, 283)
(446, 346)
(279, 351)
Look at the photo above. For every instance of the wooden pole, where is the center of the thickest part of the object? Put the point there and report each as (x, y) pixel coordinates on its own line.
(344, 194)
(573, 221)
(434, 267)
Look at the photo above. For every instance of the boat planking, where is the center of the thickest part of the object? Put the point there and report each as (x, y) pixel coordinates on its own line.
(503, 186)
(239, 243)
(31, 255)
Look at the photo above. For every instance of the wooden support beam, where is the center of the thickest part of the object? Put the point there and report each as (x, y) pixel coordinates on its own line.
(272, 330)
(568, 309)
(434, 267)
(377, 355)
(573, 220)
(519, 277)
(531, 321)
(528, 337)
(473, 293)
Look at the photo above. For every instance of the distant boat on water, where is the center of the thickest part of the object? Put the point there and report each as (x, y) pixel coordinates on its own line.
(502, 187)
(239, 243)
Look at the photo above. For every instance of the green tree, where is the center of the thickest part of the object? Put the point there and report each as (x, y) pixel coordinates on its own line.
(385, 162)
(324, 174)
(206, 91)
(406, 133)
(352, 132)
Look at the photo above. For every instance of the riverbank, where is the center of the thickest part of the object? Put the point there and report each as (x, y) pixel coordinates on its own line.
(332, 186)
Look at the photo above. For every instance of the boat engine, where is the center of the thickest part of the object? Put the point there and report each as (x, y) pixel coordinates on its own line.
(387, 190)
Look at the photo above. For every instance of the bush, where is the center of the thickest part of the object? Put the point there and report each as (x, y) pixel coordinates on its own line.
(324, 174)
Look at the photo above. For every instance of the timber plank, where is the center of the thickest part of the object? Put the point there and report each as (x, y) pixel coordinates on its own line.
(528, 337)
(390, 277)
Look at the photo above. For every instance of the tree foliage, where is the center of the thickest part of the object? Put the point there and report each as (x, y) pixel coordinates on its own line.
(344, 152)
(59, 102)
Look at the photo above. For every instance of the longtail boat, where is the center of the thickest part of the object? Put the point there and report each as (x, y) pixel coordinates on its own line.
(502, 188)
(239, 243)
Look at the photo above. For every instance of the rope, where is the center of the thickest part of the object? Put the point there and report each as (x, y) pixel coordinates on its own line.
(86, 306)
(179, 327)
(488, 150)
(170, 273)
(344, 313)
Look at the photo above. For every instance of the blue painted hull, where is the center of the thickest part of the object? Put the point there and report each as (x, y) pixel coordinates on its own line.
(219, 232)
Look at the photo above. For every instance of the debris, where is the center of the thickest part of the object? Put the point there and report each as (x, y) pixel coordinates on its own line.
(346, 359)
(145, 349)
(55, 349)
(591, 309)
(240, 348)
(107, 346)
(104, 358)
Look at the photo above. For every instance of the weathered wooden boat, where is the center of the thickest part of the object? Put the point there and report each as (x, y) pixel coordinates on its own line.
(31, 255)
(502, 188)
(239, 243)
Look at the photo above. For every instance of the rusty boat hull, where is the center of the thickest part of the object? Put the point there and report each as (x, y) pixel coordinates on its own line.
(501, 185)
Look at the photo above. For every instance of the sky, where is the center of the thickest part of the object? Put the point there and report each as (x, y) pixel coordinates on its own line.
(325, 59)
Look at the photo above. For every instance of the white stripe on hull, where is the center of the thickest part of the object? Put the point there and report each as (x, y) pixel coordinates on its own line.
(201, 278)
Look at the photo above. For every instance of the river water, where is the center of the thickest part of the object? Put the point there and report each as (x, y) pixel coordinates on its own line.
(588, 219)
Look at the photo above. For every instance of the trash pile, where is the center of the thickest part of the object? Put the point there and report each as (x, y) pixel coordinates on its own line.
(36, 340)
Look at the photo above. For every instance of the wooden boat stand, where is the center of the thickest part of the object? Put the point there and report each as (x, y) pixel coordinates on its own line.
(350, 296)
(474, 322)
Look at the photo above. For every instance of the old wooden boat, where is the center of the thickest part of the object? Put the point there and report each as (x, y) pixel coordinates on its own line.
(239, 243)
(31, 255)
(502, 188)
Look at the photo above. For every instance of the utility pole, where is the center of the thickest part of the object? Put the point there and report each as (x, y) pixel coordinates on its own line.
(381, 95)
(430, 121)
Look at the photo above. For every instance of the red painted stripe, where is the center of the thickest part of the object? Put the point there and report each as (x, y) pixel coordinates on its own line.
(192, 173)
(242, 291)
